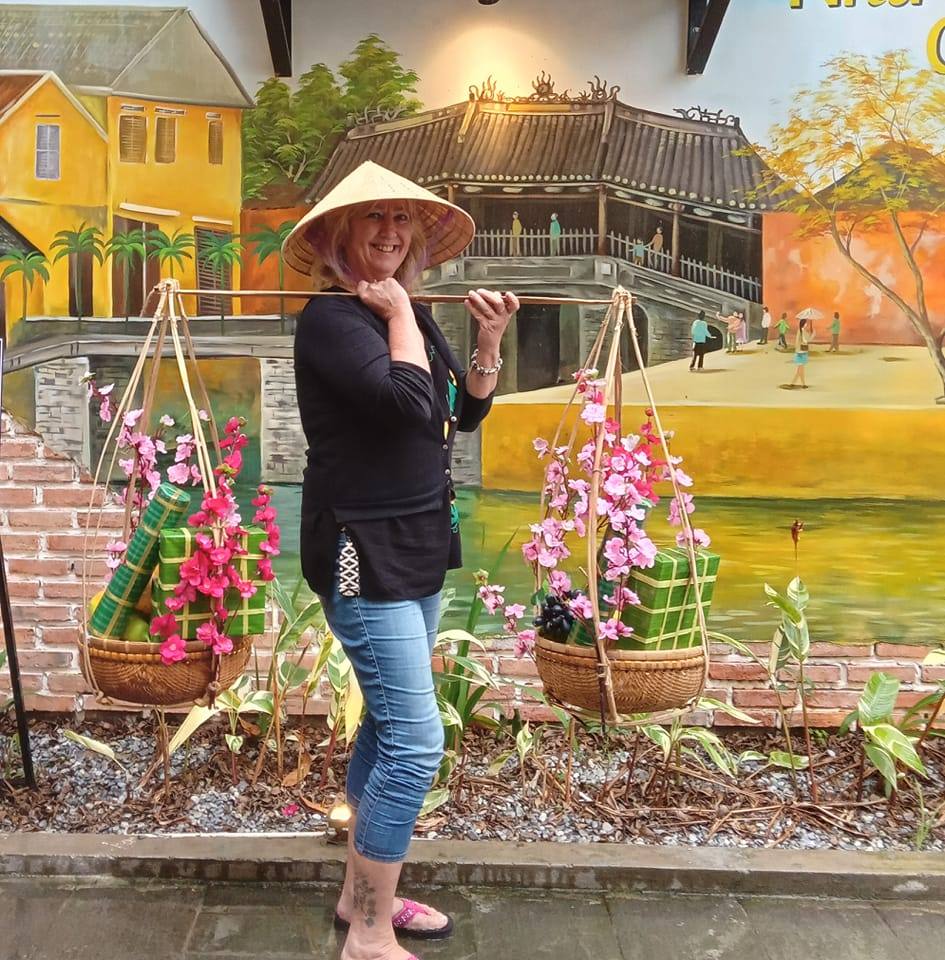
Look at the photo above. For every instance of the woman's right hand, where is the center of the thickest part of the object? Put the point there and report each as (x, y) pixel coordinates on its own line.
(386, 298)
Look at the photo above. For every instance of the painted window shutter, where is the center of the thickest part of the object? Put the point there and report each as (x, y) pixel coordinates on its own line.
(47, 151)
(132, 138)
(210, 277)
(165, 140)
(215, 141)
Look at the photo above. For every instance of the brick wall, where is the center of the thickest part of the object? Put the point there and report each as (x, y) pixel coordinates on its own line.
(44, 500)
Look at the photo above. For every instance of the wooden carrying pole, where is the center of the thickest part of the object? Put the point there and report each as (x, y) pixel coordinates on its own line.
(419, 298)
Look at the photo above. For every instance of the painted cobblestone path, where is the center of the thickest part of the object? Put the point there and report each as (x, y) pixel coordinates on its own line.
(47, 919)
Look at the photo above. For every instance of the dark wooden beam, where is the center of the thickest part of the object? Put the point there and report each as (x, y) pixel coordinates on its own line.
(277, 15)
(705, 21)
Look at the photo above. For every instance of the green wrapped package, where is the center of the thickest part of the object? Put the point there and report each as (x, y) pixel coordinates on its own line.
(128, 581)
(666, 616)
(247, 615)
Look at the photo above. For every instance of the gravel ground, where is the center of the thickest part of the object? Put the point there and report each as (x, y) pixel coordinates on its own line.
(82, 791)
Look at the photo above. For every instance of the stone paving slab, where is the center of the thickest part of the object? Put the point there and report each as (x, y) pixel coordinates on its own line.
(107, 919)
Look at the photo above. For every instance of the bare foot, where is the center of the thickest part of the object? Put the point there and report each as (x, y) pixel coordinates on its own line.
(389, 951)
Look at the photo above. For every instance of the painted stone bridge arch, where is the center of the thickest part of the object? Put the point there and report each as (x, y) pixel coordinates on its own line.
(665, 309)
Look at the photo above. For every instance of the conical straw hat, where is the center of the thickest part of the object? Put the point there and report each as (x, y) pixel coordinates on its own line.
(448, 228)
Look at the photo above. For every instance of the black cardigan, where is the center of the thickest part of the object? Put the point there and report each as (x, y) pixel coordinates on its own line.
(379, 432)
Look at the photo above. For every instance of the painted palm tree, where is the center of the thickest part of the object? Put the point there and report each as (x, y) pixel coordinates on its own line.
(29, 266)
(124, 249)
(268, 241)
(221, 252)
(171, 250)
(85, 240)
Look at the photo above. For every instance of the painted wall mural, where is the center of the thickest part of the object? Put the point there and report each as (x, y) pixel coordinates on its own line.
(802, 176)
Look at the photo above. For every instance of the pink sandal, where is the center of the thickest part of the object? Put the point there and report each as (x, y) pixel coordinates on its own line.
(401, 921)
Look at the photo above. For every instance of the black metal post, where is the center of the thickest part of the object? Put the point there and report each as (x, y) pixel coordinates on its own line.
(13, 664)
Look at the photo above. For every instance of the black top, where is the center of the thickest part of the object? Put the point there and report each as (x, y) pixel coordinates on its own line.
(380, 438)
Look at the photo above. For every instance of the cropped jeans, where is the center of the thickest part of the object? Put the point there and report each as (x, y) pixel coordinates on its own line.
(399, 747)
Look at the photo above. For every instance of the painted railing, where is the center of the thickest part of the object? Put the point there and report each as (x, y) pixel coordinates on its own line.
(533, 243)
(706, 275)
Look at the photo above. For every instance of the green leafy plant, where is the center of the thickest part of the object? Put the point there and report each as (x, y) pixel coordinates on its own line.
(240, 701)
(125, 249)
(790, 649)
(29, 266)
(170, 249)
(221, 252)
(268, 242)
(886, 744)
(83, 241)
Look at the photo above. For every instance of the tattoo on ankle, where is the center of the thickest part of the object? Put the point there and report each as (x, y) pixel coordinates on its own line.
(365, 899)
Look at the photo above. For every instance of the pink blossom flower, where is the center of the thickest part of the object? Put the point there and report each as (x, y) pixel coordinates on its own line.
(173, 649)
(699, 536)
(594, 413)
(290, 810)
(560, 582)
(164, 625)
(203, 415)
(491, 596)
(166, 421)
(675, 517)
(208, 633)
(130, 418)
(223, 645)
(614, 629)
(541, 446)
(622, 597)
(127, 466)
(105, 410)
(524, 642)
(106, 390)
(264, 569)
(581, 607)
(683, 479)
(513, 613)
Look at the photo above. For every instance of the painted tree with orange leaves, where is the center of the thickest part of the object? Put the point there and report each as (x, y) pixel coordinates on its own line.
(864, 153)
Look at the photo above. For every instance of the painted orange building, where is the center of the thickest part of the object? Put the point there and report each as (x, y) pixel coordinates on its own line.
(812, 272)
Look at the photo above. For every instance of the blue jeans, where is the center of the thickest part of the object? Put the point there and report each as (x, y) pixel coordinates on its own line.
(399, 747)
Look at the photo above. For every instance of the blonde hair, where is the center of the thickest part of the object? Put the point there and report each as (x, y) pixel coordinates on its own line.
(329, 237)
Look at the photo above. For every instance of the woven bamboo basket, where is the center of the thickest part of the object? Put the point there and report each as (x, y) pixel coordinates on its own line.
(133, 672)
(643, 681)
(617, 682)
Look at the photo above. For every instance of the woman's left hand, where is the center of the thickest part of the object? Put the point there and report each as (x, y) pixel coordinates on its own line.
(492, 311)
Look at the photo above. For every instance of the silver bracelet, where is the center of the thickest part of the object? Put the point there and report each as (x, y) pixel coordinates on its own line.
(480, 369)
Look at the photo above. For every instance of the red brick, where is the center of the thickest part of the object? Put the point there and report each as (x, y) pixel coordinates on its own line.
(74, 543)
(840, 651)
(766, 718)
(22, 544)
(818, 719)
(902, 651)
(815, 672)
(909, 698)
(23, 588)
(65, 590)
(861, 673)
(17, 496)
(737, 671)
(43, 472)
(18, 449)
(5, 470)
(536, 713)
(53, 636)
(52, 703)
(762, 698)
(518, 668)
(71, 496)
(47, 660)
(24, 636)
(51, 453)
(67, 683)
(47, 567)
(832, 699)
(933, 674)
(40, 613)
(41, 519)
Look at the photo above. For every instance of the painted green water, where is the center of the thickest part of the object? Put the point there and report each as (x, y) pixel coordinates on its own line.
(874, 568)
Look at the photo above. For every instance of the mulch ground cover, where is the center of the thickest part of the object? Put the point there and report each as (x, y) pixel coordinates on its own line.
(617, 790)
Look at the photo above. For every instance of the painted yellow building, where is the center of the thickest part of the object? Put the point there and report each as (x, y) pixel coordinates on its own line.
(121, 118)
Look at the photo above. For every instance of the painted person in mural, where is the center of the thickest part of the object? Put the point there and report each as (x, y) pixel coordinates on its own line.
(381, 396)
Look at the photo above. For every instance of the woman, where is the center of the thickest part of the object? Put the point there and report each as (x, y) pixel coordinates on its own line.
(381, 397)
(802, 341)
